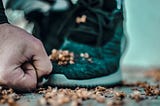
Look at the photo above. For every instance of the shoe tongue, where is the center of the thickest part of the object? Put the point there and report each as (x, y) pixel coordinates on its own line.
(106, 5)
(110, 5)
(84, 32)
(92, 3)
(83, 38)
(88, 32)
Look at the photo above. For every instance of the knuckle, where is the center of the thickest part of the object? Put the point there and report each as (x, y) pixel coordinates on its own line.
(38, 44)
(48, 68)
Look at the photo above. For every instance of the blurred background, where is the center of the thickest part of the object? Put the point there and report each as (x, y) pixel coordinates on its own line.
(143, 31)
(142, 25)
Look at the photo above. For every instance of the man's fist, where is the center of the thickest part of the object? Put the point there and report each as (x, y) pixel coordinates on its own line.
(22, 58)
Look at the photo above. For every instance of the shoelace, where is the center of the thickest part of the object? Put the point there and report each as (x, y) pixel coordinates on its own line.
(100, 19)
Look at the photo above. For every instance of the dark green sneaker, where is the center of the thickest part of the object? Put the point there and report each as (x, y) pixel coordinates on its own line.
(97, 30)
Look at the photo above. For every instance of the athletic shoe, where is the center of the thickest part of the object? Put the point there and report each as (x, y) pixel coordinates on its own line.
(94, 29)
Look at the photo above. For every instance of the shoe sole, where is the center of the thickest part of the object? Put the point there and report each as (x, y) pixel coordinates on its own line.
(60, 80)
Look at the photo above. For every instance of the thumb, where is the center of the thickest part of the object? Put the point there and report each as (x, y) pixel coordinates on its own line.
(41, 61)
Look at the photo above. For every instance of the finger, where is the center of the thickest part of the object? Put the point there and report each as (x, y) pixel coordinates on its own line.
(41, 61)
(24, 78)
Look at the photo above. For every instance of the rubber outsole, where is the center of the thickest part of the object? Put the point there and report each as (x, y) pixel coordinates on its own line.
(60, 80)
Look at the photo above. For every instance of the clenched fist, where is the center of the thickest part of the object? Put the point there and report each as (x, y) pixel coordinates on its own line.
(23, 59)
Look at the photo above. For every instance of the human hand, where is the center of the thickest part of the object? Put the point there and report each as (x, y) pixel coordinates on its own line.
(22, 59)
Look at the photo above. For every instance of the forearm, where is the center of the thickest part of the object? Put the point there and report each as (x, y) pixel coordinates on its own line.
(3, 18)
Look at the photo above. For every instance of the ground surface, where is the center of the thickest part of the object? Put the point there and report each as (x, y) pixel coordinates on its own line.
(129, 75)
